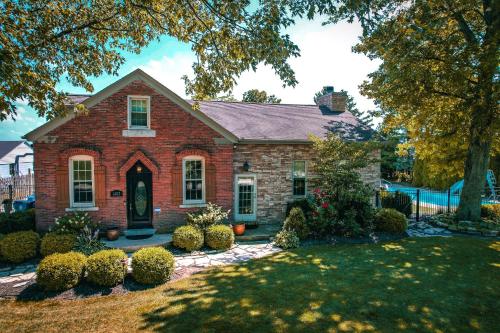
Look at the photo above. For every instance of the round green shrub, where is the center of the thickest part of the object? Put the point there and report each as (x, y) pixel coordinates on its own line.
(287, 239)
(490, 211)
(57, 243)
(390, 220)
(219, 237)
(296, 221)
(188, 237)
(20, 246)
(60, 271)
(152, 265)
(106, 268)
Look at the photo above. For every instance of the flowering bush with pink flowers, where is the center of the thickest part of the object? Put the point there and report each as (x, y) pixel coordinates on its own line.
(341, 203)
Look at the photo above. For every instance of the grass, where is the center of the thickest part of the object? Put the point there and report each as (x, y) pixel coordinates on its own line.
(413, 285)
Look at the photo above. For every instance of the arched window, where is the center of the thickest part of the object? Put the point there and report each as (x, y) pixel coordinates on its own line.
(193, 179)
(81, 181)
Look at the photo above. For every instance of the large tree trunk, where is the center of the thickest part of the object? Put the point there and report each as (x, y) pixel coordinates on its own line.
(476, 166)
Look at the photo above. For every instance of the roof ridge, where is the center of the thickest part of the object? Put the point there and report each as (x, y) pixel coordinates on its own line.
(240, 102)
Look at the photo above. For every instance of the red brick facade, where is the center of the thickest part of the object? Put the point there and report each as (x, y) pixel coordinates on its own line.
(99, 134)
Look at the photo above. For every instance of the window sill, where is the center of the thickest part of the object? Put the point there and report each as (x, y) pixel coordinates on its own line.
(193, 205)
(82, 209)
(138, 132)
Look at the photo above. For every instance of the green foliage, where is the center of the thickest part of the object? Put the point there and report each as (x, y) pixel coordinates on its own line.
(342, 204)
(107, 268)
(2, 259)
(20, 246)
(88, 241)
(390, 220)
(259, 96)
(210, 215)
(399, 201)
(152, 265)
(287, 239)
(73, 223)
(40, 42)
(425, 174)
(296, 221)
(491, 212)
(57, 243)
(17, 221)
(188, 238)
(60, 271)
(303, 203)
(219, 237)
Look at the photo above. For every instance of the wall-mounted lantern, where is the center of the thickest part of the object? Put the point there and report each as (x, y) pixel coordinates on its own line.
(246, 166)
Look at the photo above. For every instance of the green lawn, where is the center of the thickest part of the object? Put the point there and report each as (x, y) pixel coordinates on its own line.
(413, 285)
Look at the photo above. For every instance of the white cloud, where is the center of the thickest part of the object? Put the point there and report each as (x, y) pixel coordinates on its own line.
(169, 70)
(326, 59)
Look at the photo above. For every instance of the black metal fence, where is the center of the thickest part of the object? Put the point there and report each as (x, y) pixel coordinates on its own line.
(417, 203)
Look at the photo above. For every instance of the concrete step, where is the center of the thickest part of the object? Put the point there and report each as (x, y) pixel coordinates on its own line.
(132, 245)
(140, 232)
(261, 233)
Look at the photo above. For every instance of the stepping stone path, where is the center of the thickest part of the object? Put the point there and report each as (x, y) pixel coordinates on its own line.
(22, 274)
(423, 229)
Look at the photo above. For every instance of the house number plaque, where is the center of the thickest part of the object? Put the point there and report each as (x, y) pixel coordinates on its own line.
(116, 193)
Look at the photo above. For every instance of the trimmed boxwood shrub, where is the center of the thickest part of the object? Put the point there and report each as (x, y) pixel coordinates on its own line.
(188, 237)
(60, 271)
(57, 243)
(296, 221)
(20, 246)
(303, 204)
(390, 220)
(106, 268)
(17, 221)
(287, 239)
(152, 265)
(219, 237)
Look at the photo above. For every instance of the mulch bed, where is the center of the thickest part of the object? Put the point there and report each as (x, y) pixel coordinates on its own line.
(31, 291)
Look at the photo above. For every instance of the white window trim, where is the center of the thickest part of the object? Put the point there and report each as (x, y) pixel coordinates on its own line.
(193, 202)
(305, 179)
(129, 111)
(71, 183)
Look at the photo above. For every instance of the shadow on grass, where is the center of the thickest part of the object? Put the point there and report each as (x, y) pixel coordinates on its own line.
(429, 285)
(83, 290)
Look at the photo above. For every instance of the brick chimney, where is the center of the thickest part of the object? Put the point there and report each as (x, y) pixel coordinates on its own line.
(334, 101)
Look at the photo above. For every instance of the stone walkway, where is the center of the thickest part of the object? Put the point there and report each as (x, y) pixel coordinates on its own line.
(423, 229)
(23, 274)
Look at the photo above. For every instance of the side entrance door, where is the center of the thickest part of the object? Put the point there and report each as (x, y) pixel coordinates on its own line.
(245, 200)
(139, 197)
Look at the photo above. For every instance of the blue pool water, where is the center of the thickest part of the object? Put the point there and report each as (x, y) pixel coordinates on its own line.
(431, 197)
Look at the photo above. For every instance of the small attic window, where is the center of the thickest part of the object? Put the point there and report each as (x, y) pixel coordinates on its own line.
(139, 112)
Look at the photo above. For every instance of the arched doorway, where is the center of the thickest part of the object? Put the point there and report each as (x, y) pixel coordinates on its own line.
(139, 196)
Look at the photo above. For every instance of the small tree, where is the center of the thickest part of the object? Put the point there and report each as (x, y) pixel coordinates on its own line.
(259, 96)
(296, 221)
(343, 201)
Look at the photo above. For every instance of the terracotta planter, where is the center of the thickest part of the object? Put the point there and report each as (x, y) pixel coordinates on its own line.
(239, 229)
(112, 234)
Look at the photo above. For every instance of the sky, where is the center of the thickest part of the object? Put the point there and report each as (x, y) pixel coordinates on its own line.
(326, 60)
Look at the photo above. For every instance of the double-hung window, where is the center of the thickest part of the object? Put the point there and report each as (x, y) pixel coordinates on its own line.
(138, 112)
(299, 174)
(193, 180)
(81, 181)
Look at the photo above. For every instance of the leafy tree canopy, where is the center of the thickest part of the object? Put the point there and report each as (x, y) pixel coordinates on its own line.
(259, 96)
(438, 77)
(42, 41)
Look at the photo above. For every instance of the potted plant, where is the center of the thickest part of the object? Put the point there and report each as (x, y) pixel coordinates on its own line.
(112, 233)
(239, 228)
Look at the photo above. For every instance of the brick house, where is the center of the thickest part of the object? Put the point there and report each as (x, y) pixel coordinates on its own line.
(142, 156)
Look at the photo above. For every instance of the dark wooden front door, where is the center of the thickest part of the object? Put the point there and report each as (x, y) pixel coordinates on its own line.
(139, 196)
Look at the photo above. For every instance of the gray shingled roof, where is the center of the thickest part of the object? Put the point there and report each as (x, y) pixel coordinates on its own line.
(253, 121)
(7, 146)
